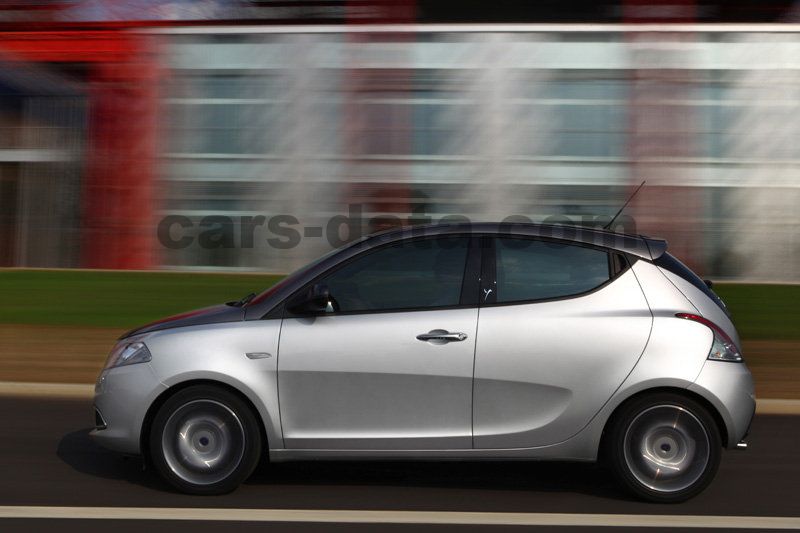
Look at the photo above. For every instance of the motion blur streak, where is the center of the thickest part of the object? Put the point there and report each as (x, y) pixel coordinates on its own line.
(489, 124)
(106, 130)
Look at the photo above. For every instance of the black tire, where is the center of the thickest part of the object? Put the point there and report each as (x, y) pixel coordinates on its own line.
(205, 440)
(663, 447)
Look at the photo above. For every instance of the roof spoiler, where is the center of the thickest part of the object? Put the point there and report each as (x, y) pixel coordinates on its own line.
(657, 247)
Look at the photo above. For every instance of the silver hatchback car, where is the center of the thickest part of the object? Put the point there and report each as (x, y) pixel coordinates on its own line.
(481, 341)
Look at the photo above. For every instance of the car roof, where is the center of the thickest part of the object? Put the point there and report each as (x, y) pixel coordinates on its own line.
(638, 245)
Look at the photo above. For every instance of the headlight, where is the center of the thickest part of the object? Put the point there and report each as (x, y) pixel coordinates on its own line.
(723, 348)
(128, 353)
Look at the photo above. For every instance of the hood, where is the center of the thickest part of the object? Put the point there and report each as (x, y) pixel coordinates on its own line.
(207, 315)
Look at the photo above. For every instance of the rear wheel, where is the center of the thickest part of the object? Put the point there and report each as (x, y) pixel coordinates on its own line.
(664, 447)
(205, 440)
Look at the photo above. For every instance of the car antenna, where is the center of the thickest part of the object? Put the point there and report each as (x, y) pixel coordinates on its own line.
(624, 205)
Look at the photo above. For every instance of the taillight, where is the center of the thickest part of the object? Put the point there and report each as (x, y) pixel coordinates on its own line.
(723, 348)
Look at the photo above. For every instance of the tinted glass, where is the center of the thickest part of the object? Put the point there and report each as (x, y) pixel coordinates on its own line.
(408, 275)
(535, 270)
(671, 263)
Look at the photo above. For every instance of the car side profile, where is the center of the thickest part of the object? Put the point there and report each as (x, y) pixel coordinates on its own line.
(467, 341)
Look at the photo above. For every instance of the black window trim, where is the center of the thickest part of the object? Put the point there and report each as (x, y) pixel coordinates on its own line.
(488, 279)
(490, 259)
(672, 264)
(469, 284)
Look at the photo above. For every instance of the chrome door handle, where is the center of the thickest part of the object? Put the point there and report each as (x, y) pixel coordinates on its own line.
(441, 336)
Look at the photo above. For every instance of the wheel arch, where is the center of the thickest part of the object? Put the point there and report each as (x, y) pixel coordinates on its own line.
(147, 423)
(692, 395)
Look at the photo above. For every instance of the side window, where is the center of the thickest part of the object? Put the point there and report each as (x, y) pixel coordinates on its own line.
(529, 269)
(407, 275)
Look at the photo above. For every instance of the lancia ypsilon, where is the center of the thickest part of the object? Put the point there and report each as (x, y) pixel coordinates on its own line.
(481, 341)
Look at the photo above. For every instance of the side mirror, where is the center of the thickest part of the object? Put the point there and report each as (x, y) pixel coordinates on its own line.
(312, 302)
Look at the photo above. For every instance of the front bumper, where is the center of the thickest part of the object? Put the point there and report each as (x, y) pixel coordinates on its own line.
(729, 387)
(122, 396)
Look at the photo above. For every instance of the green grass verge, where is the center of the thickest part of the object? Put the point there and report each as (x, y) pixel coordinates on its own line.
(768, 312)
(129, 299)
(115, 299)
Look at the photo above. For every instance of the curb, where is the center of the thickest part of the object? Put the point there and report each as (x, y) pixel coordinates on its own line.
(80, 391)
(771, 406)
(22, 389)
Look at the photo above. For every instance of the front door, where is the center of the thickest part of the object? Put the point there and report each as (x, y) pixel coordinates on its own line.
(389, 366)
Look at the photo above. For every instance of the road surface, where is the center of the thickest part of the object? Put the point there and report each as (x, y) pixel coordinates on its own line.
(48, 461)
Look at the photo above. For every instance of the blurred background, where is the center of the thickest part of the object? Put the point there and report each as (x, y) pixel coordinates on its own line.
(116, 114)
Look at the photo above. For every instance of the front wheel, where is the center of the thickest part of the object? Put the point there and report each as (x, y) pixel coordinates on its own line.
(664, 447)
(205, 440)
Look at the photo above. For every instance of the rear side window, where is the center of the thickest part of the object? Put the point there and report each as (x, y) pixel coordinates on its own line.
(672, 264)
(529, 269)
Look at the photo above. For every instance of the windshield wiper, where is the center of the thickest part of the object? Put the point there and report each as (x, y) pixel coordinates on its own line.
(244, 301)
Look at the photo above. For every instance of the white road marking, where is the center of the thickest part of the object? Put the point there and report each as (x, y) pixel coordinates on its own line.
(402, 517)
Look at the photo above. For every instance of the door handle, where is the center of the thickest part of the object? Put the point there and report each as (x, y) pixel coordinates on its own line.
(441, 336)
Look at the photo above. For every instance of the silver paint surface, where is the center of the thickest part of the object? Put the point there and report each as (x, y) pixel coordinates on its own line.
(530, 380)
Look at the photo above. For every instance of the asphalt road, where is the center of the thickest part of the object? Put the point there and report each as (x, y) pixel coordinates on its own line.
(48, 459)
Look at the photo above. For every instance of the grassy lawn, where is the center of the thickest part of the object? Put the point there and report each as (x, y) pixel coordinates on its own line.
(764, 312)
(115, 299)
(128, 299)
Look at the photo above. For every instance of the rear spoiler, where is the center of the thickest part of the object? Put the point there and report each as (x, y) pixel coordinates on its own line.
(657, 247)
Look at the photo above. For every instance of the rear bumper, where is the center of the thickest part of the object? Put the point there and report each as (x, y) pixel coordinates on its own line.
(122, 397)
(729, 387)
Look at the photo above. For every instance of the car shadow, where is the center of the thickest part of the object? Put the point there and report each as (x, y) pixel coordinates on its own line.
(79, 451)
(532, 476)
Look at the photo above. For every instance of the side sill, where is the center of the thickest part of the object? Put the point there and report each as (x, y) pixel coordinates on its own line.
(526, 454)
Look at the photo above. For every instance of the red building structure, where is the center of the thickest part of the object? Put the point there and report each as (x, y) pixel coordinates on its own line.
(121, 75)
